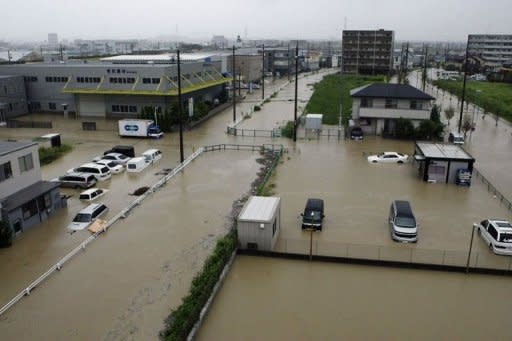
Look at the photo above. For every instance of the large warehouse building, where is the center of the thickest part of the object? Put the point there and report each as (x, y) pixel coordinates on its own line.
(119, 86)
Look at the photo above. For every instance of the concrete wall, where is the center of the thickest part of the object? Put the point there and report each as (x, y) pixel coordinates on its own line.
(20, 180)
(249, 66)
(13, 97)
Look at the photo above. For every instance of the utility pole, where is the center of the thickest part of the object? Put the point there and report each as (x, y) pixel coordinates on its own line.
(406, 62)
(233, 85)
(464, 85)
(288, 56)
(239, 82)
(296, 92)
(341, 94)
(180, 103)
(425, 68)
(9, 56)
(61, 53)
(263, 72)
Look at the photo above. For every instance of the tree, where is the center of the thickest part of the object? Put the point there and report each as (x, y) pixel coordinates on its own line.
(5, 234)
(449, 113)
(466, 124)
(425, 130)
(434, 114)
(404, 128)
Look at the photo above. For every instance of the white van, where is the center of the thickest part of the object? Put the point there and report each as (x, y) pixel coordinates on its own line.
(87, 216)
(456, 137)
(137, 164)
(100, 172)
(92, 194)
(152, 155)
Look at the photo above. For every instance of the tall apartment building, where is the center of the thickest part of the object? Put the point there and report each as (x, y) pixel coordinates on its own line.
(367, 52)
(494, 49)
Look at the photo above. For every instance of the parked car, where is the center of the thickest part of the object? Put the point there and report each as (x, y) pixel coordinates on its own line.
(456, 137)
(388, 157)
(87, 216)
(497, 233)
(356, 133)
(76, 180)
(114, 167)
(402, 222)
(101, 172)
(92, 194)
(126, 150)
(118, 158)
(313, 214)
(152, 155)
(137, 164)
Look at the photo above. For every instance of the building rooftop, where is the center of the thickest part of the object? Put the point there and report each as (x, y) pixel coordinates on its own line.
(7, 147)
(443, 151)
(25, 195)
(385, 90)
(159, 58)
(260, 209)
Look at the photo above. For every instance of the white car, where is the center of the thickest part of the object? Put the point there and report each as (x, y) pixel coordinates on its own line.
(87, 216)
(92, 194)
(388, 157)
(118, 158)
(114, 167)
(497, 233)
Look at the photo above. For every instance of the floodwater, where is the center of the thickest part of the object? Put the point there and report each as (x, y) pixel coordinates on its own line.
(125, 283)
(350, 302)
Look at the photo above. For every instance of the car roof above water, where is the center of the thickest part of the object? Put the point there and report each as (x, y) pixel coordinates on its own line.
(403, 208)
(315, 204)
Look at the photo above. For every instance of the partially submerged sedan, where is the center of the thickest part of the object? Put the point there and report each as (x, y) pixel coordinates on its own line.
(388, 157)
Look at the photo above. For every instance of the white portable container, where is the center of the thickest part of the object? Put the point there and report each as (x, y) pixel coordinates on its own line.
(314, 121)
(137, 164)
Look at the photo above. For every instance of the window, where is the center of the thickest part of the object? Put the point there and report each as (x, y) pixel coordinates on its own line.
(47, 200)
(366, 103)
(115, 108)
(26, 163)
(390, 103)
(274, 227)
(155, 80)
(415, 105)
(133, 108)
(29, 209)
(146, 80)
(5, 171)
(52, 106)
(493, 232)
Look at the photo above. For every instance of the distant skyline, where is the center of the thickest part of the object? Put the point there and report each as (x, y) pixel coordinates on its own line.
(435, 20)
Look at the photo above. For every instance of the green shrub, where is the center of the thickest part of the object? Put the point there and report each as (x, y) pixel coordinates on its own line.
(287, 130)
(5, 234)
(182, 320)
(404, 128)
(48, 155)
(257, 108)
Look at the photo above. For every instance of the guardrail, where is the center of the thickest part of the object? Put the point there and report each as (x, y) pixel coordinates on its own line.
(122, 214)
(493, 190)
(254, 132)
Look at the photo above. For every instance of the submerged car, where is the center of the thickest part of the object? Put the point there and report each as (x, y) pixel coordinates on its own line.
(118, 158)
(388, 157)
(87, 216)
(497, 233)
(356, 133)
(313, 215)
(92, 194)
(114, 167)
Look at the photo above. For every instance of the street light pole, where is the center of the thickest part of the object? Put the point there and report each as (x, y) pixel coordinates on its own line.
(464, 85)
(296, 92)
(233, 83)
(470, 247)
(180, 103)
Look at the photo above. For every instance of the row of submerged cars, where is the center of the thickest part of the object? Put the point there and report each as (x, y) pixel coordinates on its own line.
(113, 161)
(403, 226)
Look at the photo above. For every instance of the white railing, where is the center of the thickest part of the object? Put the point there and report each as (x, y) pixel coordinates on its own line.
(122, 214)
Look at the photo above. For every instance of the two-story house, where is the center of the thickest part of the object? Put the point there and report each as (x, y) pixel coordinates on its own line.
(25, 199)
(376, 107)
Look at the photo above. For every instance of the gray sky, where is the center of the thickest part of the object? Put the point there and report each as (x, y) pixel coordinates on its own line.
(311, 19)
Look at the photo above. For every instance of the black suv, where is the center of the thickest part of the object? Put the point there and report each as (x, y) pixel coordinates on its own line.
(313, 214)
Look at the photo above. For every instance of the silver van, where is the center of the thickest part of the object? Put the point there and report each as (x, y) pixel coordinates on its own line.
(402, 222)
(100, 172)
(456, 137)
(76, 180)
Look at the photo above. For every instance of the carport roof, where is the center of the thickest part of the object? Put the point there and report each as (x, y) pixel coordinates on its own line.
(443, 151)
(29, 193)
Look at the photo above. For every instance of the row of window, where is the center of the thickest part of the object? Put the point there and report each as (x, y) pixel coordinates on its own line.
(150, 80)
(121, 80)
(56, 79)
(30, 78)
(31, 208)
(88, 79)
(390, 104)
(116, 71)
(124, 108)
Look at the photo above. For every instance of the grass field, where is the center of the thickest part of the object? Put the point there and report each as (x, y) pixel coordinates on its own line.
(492, 97)
(326, 97)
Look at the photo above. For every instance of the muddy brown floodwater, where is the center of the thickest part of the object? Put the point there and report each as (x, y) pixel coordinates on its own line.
(276, 299)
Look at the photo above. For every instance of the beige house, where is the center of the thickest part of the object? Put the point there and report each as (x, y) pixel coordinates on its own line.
(376, 107)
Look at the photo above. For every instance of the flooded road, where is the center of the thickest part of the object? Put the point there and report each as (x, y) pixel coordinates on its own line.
(349, 302)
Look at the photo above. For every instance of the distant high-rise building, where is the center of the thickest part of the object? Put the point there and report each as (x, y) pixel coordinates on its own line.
(53, 39)
(494, 49)
(367, 52)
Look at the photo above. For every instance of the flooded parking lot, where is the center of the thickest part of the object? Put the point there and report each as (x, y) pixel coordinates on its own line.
(349, 302)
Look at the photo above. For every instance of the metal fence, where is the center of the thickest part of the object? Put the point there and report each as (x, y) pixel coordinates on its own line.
(276, 148)
(29, 124)
(401, 253)
(254, 132)
(492, 189)
(122, 214)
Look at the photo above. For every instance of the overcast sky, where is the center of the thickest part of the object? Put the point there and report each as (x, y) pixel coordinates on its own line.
(446, 20)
